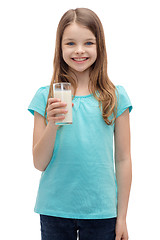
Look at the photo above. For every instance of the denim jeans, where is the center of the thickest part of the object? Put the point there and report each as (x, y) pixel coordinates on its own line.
(58, 228)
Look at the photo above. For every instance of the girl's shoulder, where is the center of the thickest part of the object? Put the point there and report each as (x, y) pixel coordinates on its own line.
(42, 93)
(123, 99)
(121, 92)
(39, 100)
(43, 90)
(119, 88)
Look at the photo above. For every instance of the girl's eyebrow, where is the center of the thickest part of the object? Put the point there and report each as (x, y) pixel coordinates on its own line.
(72, 39)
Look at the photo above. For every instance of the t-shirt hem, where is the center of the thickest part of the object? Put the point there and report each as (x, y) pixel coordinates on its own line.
(33, 108)
(124, 108)
(75, 216)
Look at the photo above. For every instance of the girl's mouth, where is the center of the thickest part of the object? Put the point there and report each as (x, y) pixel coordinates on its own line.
(80, 60)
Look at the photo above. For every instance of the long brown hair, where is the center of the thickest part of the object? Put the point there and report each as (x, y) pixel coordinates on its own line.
(99, 80)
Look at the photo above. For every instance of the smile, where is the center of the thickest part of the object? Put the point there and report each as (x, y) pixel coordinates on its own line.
(80, 60)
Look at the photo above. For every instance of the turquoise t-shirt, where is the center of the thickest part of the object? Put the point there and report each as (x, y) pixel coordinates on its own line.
(80, 180)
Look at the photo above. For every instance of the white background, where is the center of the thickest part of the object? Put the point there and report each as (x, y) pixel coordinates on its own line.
(28, 30)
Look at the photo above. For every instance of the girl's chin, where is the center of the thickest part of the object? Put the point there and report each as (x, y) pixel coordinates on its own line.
(78, 71)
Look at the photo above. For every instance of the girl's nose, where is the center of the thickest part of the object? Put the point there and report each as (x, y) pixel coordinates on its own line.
(79, 50)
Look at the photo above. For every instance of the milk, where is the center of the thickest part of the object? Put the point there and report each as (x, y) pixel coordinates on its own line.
(66, 97)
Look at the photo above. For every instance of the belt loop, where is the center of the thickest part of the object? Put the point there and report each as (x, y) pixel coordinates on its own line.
(75, 221)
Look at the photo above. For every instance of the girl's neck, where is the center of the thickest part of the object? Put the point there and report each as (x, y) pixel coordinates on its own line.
(82, 79)
(82, 84)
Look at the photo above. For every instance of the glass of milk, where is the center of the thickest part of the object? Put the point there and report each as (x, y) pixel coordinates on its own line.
(63, 91)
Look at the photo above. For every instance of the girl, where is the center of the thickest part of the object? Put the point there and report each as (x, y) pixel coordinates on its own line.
(79, 189)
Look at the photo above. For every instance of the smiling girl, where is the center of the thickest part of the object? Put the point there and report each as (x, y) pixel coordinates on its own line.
(80, 190)
(79, 51)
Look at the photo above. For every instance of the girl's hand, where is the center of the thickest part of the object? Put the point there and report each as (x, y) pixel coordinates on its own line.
(121, 230)
(55, 106)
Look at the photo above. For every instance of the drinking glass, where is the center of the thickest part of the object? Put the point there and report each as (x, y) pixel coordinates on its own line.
(63, 91)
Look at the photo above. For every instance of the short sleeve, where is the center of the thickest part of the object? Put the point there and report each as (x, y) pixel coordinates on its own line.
(39, 101)
(123, 100)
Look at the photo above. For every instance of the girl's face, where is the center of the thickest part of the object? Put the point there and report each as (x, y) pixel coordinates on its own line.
(79, 49)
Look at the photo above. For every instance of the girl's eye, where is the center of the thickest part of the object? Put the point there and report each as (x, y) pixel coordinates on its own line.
(70, 43)
(89, 43)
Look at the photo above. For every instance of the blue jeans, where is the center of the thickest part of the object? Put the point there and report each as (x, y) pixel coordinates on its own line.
(58, 228)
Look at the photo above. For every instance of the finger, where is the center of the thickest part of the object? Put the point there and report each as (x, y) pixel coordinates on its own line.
(54, 119)
(118, 238)
(52, 100)
(125, 237)
(56, 111)
(56, 106)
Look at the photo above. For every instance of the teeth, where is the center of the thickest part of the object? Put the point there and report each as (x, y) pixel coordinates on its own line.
(79, 59)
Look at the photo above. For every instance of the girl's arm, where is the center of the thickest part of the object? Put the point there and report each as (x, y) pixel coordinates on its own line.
(43, 142)
(44, 136)
(123, 169)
